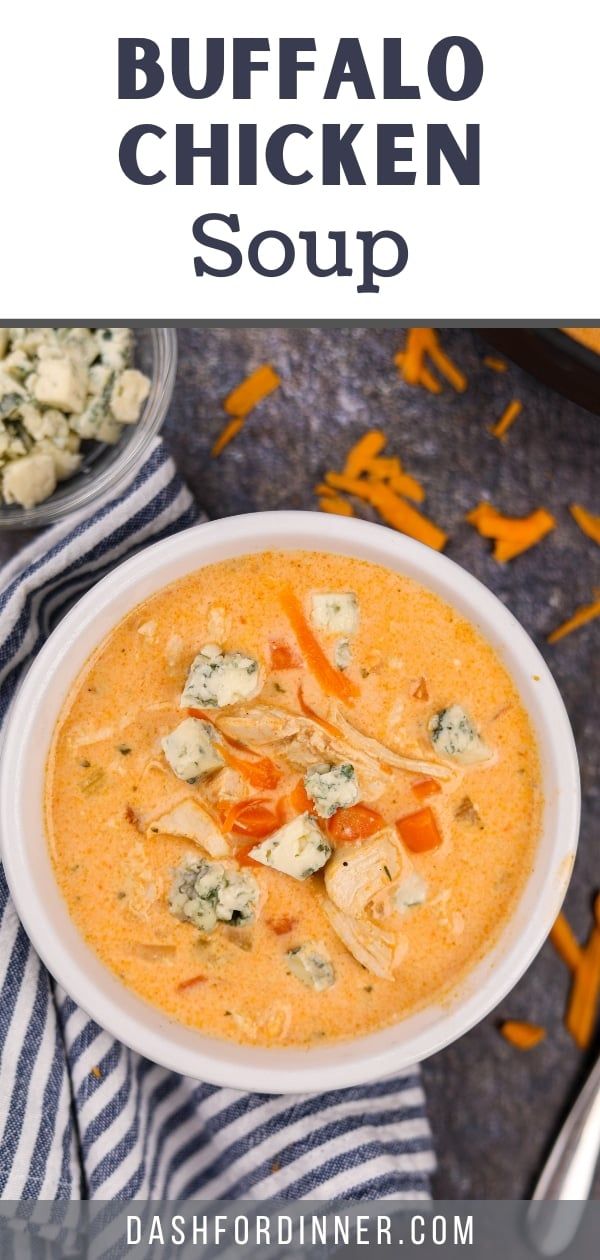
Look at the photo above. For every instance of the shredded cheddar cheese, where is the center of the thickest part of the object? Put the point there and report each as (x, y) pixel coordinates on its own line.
(227, 435)
(508, 417)
(512, 535)
(250, 392)
(582, 1010)
(584, 963)
(242, 400)
(422, 344)
(392, 509)
(588, 524)
(522, 1034)
(334, 504)
(565, 942)
(496, 365)
(362, 454)
(587, 612)
(381, 482)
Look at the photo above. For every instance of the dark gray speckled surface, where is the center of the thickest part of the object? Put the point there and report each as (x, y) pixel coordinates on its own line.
(493, 1110)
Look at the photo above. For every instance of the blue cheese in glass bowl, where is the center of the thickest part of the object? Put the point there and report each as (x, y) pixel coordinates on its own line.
(79, 408)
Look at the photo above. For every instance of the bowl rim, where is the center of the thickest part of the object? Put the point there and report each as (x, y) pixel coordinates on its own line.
(121, 1013)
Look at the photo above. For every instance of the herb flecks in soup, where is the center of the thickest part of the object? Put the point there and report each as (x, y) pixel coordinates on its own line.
(292, 797)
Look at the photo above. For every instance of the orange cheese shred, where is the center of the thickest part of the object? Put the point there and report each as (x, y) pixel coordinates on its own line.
(421, 344)
(496, 365)
(362, 454)
(390, 470)
(565, 943)
(251, 391)
(512, 535)
(582, 1010)
(588, 523)
(522, 1034)
(330, 679)
(227, 435)
(393, 510)
(365, 464)
(335, 505)
(588, 612)
(242, 400)
(508, 417)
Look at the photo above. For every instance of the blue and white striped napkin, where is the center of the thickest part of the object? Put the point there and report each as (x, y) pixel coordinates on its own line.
(81, 1116)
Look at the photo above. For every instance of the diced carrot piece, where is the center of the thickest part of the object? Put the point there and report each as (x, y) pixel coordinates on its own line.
(522, 1034)
(419, 831)
(252, 818)
(329, 678)
(300, 800)
(283, 656)
(243, 858)
(425, 788)
(358, 822)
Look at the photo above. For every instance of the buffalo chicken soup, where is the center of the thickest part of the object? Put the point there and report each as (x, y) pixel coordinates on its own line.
(292, 797)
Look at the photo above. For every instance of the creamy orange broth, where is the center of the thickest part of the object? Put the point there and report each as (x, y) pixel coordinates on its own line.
(107, 780)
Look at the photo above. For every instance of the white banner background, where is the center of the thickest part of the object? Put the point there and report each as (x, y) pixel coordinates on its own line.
(82, 242)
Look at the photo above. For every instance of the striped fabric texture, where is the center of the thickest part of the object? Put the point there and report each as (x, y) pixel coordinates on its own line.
(82, 1116)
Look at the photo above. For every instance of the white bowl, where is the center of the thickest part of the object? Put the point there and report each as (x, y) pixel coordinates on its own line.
(44, 912)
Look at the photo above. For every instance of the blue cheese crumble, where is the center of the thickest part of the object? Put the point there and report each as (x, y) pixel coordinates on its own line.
(410, 892)
(335, 612)
(218, 679)
(342, 654)
(331, 788)
(190, 750)
(208, 893)
(298, 849)
(311, 964)
(59, 386)
(454, 735)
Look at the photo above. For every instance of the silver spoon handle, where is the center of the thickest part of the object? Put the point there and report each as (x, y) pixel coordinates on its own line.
(569, 1169)
(567, 1175)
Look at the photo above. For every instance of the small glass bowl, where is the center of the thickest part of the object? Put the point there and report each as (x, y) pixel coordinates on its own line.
(105, 469)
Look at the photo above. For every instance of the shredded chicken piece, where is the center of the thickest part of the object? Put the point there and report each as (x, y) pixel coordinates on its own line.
(358, 872)
(260, 725)
(306, 740)
(372, 947)
(192, 821)
(227, 785)
(383, 754)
